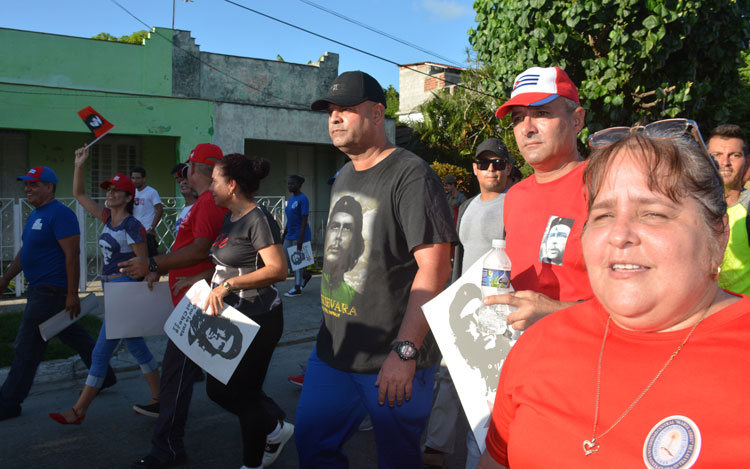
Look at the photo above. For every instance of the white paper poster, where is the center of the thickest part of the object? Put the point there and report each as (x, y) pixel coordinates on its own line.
(215, 343)
(474, 340)
(52, 326)
(301, 259)
(132, 310)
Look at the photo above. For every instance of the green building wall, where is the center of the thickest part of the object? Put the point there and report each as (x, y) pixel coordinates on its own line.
(52, 77)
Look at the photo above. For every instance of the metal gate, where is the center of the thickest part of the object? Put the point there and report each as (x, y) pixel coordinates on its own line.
(13, 214)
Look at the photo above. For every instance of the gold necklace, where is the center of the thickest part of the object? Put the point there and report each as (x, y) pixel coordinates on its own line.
(592, 446)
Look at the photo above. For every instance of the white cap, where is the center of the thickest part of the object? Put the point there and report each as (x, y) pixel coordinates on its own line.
(498, 243)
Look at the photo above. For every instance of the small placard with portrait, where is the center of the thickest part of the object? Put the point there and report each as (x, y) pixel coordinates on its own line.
(215, 343)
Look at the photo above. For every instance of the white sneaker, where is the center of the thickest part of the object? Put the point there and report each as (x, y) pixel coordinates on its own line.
(274, 448)
(293, 292)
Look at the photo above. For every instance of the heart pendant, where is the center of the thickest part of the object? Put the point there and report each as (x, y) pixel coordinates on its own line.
(590, 447)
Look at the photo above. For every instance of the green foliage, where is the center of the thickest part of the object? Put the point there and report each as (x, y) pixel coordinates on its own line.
(10, 322)
(136, 38)
(463, 176)
(740, 102)
(634, 60)
(391, 102)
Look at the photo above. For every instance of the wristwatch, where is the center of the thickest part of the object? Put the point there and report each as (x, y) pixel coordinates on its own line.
(152, 267)
(406, 350)
(226, 285)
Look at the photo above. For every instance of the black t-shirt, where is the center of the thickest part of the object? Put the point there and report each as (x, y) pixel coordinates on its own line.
(378, 216)
(235, 253)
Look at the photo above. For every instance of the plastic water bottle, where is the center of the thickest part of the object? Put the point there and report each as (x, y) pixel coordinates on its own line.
(495, 281)
(496, 270)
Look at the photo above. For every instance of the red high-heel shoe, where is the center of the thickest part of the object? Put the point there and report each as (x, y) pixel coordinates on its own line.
(60, 418)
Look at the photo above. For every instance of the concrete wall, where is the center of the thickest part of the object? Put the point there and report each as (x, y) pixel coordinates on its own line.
(73, 62)
(415, 88)
(248, 80)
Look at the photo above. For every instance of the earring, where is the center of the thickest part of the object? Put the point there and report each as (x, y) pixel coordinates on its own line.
(715, 272)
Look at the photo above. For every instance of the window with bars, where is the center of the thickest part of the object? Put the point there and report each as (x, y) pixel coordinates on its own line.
(116, 155)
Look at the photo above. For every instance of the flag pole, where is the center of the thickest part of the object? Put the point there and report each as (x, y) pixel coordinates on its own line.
(97, 139)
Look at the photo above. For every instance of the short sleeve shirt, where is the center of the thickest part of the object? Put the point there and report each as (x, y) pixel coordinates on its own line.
(534, 216)
(115, 242)
(378, 216)
(204, 220)
(143, 207)
(296, 207)
(42, 258)
(235, 253)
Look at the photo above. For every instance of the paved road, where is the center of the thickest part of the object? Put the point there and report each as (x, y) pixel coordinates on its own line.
(113, 436)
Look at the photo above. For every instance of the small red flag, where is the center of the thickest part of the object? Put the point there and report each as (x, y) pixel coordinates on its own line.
(95, 122)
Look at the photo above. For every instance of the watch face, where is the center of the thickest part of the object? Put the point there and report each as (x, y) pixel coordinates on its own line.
(407, 351)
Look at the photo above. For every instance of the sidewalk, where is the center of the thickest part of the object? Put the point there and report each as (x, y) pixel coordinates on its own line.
(301, 324)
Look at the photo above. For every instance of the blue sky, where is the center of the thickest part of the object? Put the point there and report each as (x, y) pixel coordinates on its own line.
(436, 25)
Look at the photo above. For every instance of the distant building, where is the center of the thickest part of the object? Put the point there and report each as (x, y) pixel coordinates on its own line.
(163, 96)
(416, 87)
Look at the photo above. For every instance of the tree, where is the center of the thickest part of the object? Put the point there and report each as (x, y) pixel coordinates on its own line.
(391, 102)
(136, 38)
(633, 60)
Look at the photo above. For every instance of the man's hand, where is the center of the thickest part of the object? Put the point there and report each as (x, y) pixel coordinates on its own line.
(216, 300)
(395, 380)
(134, 267)
(532, 306)
(299, 244)
(73, 305)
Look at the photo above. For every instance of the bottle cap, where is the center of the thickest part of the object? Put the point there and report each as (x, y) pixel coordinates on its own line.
(498, 243)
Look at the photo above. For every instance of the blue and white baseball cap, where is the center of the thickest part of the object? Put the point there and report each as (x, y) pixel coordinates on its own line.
(538, 86)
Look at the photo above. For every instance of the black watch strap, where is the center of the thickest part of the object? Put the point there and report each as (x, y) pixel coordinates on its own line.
(406, 350)
(152, 267)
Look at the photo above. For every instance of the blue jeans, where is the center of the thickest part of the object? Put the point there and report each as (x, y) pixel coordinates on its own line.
(42, 302)
(105, 347)
(333, 404)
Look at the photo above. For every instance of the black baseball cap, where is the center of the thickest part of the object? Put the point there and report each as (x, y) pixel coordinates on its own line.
(350, 89)
(496, 147)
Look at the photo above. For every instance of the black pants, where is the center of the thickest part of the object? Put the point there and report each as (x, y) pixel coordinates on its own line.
(175, 392)
(243, 394)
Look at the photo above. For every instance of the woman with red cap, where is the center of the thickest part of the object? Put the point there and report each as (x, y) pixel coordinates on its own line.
(123, 237)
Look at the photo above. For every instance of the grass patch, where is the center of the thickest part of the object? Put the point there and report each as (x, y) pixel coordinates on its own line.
(10, 322)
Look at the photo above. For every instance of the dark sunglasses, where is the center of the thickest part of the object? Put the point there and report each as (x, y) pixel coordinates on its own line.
(667, 128)
(497, 164)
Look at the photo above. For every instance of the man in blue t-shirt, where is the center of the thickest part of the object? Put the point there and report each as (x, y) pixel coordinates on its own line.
(49, 260)
(297, 231)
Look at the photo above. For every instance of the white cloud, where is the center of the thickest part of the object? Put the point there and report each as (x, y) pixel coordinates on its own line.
(447, 9)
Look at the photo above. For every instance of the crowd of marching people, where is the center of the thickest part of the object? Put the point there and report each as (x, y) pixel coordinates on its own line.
(629, 271)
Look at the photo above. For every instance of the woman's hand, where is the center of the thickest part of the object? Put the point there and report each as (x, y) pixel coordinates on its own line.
(215, 300)
(82, 154)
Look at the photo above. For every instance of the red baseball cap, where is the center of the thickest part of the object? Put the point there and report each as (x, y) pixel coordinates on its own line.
(538, 86)
(121, 182)
(206, 153)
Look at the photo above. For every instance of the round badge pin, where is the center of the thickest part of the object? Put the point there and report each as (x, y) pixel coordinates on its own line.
(673, 443)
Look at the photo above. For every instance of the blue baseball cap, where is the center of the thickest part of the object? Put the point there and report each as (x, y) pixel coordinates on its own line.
(39, 173)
